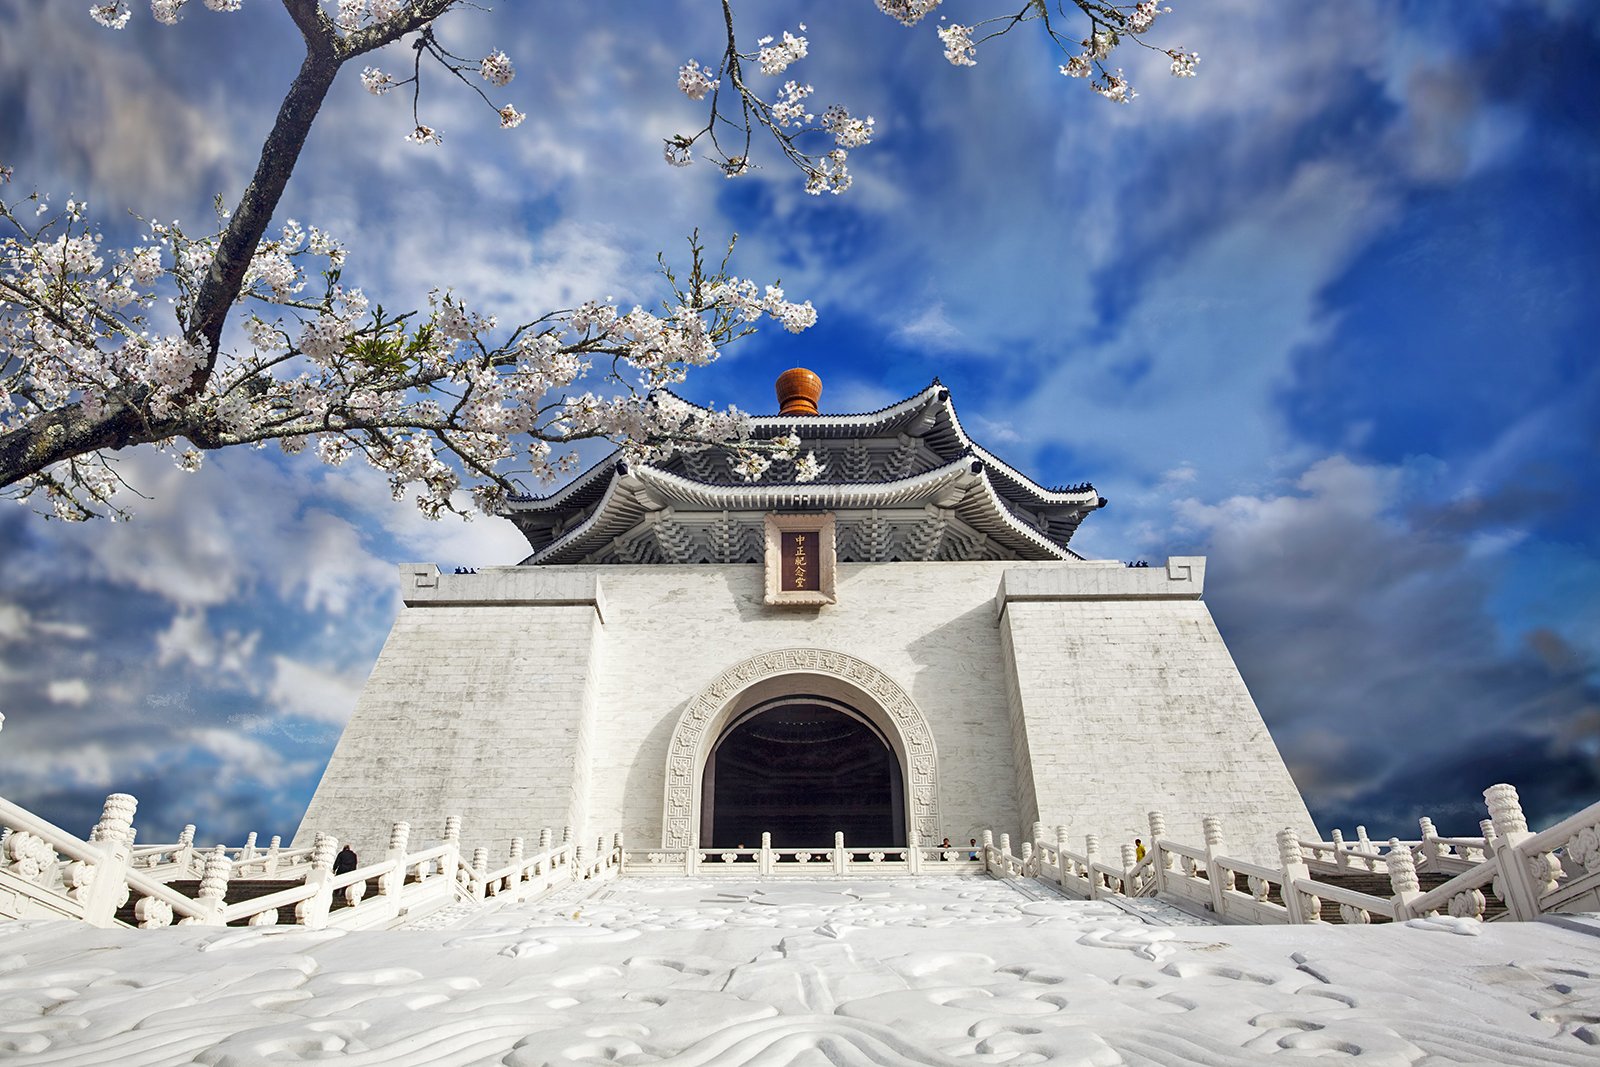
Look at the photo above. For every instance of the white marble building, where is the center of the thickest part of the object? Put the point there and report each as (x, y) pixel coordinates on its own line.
(930, 658)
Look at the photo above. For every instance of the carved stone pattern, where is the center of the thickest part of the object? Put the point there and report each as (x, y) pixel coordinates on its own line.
(28, 857)
(265, 918)
(1310, 906)
(322, 851)
(1545, 871)
(116, 819)
(399, 836)
(1402, 868)
(910, 723)
(1584, 848)
(1259, 887)
(1467, 904)
(152, 913)
(1505, 810)
(1354, 916)
(77, 877)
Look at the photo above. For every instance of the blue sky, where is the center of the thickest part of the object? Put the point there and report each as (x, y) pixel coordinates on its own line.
(1322, 313)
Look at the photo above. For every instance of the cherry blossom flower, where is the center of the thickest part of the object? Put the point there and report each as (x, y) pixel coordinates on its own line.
(496, 69)
(510, 117)
(376, 81)
(113, 16)
(909, 12)
(847, 132)
(694, 81)
(958, 46)
(777, 58)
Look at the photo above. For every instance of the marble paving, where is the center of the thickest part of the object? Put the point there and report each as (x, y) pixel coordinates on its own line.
(939, 971)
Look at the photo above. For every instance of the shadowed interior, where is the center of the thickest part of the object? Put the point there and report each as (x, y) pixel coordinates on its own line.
(802, 770)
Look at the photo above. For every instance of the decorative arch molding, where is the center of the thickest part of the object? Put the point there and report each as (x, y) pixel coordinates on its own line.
(782, 672)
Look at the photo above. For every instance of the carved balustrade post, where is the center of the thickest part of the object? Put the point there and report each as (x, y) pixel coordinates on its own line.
(1005, 855)
(273, 848)
(1091, 854)
(514, 857)
(451, 860)
(249, 851)
(840, 860)
(620, 852)
(913, 850)
(1025, 861)
(1128, 863)
(213, 889)
(108, 886)
(1364, 846)
(183, 855)
(764, 862)
(1431, 849)
(1402, 879)
(1063, 865)
(1341, 858)
(480, 872)
(1217, 877)
(544, 839)
(392, 883)
(1302, 907)
(1036, 834)
(1524, 876)
(312, 912)
(986, 844)
(1160, 858)
(578, 858)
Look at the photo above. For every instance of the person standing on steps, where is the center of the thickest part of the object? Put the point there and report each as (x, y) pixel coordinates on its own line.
(345, 862)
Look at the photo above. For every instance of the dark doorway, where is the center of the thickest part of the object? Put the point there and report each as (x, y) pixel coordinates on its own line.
(801, 769)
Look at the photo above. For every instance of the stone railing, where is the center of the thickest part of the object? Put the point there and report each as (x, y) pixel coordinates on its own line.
(1556, 870)
(46, 872)
(817, 861)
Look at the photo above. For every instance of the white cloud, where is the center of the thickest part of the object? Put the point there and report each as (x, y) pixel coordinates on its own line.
(932, 330)
(189, 639)
(74, 691)
(314, 691)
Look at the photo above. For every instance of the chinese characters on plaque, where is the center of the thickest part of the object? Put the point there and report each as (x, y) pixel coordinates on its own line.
(798, 567)
(800, 560)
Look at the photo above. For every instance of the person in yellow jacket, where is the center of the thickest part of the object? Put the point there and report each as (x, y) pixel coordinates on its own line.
(1138, 849)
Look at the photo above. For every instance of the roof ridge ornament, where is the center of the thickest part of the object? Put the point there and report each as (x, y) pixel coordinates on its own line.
(798, 392)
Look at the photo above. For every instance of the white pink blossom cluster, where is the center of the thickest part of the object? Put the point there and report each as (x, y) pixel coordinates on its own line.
(354, 14)
(694, 81)
(777, 58)
(959, 48)
(441, 402)
(848, 132)
(496, 69)
(909, 12)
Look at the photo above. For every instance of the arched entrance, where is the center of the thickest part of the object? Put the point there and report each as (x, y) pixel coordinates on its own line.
(802, 768)
(767, 681)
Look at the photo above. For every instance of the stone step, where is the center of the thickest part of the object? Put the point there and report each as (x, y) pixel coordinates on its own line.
(1378, 885)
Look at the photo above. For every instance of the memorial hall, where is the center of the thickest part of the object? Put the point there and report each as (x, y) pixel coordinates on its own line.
(904, 650)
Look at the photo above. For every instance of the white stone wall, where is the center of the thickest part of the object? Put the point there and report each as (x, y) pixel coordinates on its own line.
(482, 710)
(1126, 699)
(521, 697)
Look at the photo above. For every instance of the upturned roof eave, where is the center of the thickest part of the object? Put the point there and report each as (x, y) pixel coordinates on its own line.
(677, 491)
